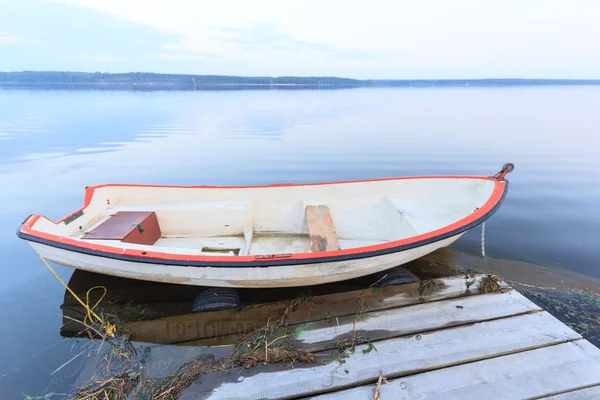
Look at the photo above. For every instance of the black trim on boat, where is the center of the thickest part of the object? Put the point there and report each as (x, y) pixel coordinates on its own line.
(73, 217)
(273, 263)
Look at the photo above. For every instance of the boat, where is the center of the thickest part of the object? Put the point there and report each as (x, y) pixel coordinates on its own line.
(281, 235)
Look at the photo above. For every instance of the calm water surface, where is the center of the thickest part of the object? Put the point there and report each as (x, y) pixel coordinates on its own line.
(54, 143)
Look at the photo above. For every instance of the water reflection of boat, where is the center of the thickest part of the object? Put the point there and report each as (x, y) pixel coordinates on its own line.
(162, 313)
(269, 236)
(135, 303)
(125, 298)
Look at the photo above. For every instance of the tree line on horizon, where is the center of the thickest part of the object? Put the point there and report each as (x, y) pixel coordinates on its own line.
(149, 80)
(191, 81)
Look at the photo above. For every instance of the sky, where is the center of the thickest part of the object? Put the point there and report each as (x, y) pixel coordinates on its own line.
(379, 39)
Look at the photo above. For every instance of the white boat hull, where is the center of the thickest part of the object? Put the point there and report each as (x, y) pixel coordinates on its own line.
(264, 236)
(245, 277)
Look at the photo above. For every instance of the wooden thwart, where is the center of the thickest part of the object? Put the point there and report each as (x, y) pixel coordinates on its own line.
(323, 236)
(531, 374)
(403, 356)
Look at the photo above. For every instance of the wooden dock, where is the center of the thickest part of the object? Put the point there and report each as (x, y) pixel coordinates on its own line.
(448, 341)
(460, 337)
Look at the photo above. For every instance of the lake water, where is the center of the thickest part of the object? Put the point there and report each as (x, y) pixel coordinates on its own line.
(54, 143)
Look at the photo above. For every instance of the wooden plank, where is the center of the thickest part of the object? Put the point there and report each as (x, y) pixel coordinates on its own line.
(590, 393)
(403, 356)
(322, 335)
(531, 374)
(190, 327)
(160, 362)
(323, 236)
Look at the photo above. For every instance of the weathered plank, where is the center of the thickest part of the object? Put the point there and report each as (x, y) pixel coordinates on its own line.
(190, 327)
(322, 335)
(403, 356)
(531, 374)
(590, 393)
(161, 361)
(323, 236)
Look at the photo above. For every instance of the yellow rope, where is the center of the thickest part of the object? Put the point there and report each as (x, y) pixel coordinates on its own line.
(90, 310)
(109, 328)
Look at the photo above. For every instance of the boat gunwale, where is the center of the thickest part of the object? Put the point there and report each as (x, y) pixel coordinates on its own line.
(477, 217)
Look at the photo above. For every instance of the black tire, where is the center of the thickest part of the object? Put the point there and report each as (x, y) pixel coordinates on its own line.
(395, 276)
(215, 299)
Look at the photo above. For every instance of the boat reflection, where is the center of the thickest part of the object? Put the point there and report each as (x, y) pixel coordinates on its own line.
(162, 313)
(141, 306)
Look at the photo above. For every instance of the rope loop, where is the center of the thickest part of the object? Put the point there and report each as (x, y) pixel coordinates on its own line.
(91, 316)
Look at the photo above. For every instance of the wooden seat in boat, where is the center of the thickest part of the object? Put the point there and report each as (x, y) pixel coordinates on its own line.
(323, 236)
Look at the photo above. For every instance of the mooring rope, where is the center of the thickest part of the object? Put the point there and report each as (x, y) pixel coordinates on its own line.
(108, 327)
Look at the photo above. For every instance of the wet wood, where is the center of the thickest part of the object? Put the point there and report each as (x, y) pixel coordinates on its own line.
(191, 327)
(379, 325)
(531, 374)
(449, 261)
(149, 311)
(433, 339)
(323, 236)
(402, 356)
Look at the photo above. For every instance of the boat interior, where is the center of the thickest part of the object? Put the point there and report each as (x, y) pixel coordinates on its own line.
(270, 220)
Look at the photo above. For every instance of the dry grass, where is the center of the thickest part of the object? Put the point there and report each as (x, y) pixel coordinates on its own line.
(129, 383)
(380, 381)
(119, 376)
(272, 343)
(469, 281)
(489, 284)
(286, 355)
(361, 304)
(292, 306)
(427, 287)
(118, 372)
(172, 387)
(114, 388)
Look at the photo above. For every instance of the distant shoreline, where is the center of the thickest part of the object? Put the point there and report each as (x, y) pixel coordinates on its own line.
(153, 81)
(166, 83)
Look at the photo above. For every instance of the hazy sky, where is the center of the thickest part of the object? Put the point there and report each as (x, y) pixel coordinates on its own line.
(361, 39)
